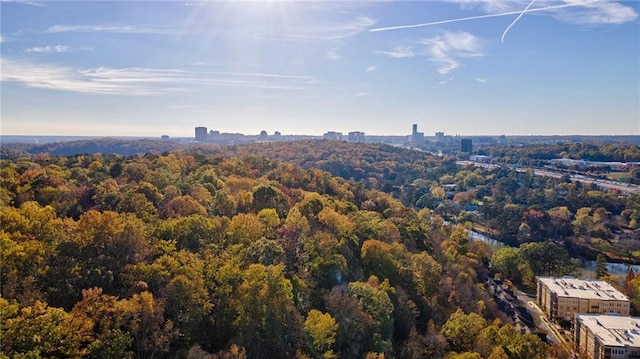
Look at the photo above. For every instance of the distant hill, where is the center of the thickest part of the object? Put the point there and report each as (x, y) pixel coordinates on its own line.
(98, 145)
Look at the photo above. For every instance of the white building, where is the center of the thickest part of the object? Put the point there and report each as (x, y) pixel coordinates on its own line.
(598, 336)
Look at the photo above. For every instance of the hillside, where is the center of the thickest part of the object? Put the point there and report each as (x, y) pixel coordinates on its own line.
(182, 255)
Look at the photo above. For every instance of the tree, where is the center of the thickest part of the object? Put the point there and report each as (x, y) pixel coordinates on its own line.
(270, 197)
(601, 266)
(322, 328)
(40, 331)
(462, 329)
(509, 262)
(355, 326)
(245, 228)
(181, 206)
(375, 302)
(267, 322)
(378, 260)
(546, 258)
(144, 320)
(427, 273)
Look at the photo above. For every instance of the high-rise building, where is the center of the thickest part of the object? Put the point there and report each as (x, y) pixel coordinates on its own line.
(332, 135)
(466, 145)
(356, 136)
(201, 134)
(415, 135)
(440, 137)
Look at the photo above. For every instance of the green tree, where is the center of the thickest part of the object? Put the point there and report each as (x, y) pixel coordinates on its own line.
(510, 263)
(461, 330)
(546, 258)
(267, 322)
(601, 266)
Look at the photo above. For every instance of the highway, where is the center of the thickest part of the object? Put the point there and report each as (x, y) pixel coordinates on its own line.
(626, 188)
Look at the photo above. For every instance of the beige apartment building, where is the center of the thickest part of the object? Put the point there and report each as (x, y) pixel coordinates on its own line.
(563, 298)
(598, 336)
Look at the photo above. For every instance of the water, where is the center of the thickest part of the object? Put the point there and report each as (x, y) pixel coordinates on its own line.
(616, 269)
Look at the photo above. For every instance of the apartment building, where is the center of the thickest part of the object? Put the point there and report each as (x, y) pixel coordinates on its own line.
(598, 336)
(563, 298)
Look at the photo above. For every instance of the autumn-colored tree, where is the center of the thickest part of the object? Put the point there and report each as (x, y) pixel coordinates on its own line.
(462, 329)
(322, 328)
(245, 228)
(267, 322)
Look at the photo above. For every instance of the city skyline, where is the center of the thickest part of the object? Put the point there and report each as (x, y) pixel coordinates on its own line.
(461, 67)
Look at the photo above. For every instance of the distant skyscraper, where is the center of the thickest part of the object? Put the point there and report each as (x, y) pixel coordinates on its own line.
(356, 136)
(165, 137)
(201, 134)
(439, 136)
(466, 145)
(415, 135)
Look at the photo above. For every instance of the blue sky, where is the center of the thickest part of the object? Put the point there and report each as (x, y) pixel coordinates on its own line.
(469, 67)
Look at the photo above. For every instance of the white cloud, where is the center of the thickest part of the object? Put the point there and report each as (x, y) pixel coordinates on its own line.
(361, 94)
(445, 81)
(124, 29)
(139, 81)
(592, 12)
(370, 68)
(26, 2)
(603, 12)
(481, 80)
(398, 52)
(332, 54)
(332, 31)
(447, 49)
(58, 48)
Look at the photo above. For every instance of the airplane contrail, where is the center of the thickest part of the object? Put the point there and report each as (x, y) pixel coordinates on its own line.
(516, 20)
(551, 7)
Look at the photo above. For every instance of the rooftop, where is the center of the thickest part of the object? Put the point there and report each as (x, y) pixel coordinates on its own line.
(582, 288)
(613, 330)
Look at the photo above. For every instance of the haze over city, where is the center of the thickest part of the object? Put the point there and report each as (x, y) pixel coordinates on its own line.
(463, 67)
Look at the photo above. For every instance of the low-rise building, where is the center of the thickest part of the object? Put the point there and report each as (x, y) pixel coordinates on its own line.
(599, 336)
(563, 298)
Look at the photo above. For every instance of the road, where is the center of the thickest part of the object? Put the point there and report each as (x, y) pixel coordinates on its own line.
(602, 183)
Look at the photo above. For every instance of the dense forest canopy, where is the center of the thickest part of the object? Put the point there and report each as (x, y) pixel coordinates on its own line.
(191, 255)
(301, 249)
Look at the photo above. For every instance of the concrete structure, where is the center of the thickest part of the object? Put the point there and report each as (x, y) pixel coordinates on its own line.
(415, 135)
(563, 298)
(356, 136)
(332, 135)
(466, 145)
(598, 336)
(201, 134)
(440, 137)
